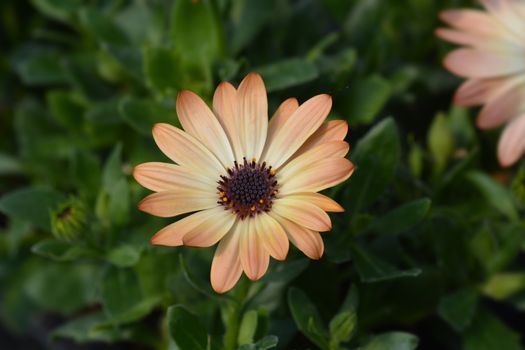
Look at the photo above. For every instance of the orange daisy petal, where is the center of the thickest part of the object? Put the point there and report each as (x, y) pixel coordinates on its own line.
(253, 115)
(281, 115)
(272, 236)
(158, 177)
(225, 107)
(297, 129)
(226, 267)
(212, 228)
(200, 122)
(317, 177)
(322, 201)
(307, 241)
(303, 213)
(185, 150)
(254, 258)
(172, 235)
(512, 142)
(173, 203)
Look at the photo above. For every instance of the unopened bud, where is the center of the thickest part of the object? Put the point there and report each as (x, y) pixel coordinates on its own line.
(68, 220)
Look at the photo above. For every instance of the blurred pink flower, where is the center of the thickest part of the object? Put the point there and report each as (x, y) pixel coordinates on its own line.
(252, 184)
(493, 62)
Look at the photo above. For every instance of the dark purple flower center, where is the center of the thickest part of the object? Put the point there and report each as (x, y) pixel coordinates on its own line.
(248, 188)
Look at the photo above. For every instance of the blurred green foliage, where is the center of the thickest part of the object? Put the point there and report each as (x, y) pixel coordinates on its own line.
(430, 250)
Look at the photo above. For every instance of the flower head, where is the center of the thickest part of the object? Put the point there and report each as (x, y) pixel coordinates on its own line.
(251, 184)
(493, 62)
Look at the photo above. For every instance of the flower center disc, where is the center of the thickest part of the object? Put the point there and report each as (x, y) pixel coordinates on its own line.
(248, 188)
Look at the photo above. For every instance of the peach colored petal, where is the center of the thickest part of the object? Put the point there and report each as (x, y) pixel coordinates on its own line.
(173, 203)
(297, 129)
(332, 149)
(200, 122)
(475, 92)
(171, 235)
(307, 241)
(472, 63)
(185, 150)
(164, 177)
(272, 236)
(226, 267)
(225, 107)
(302, 213)
(474, 21)
(212, 228)
(333, 130)
(317, 177)
(253, 115)
(322, 201)
(254, 258)
(477, 40)
(505, 103)
(281, 115)
(512, 142)
(509, 14)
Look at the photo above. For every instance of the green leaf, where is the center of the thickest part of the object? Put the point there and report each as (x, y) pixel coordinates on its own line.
(488, 333)
(365, 99)
(268, 342)
(62, 251)
(494, 193)
(163, 70)
(112, 173)
(186, 329)
(58, 9)
(66, 110)
(124, 255)
(63, 288)
(503, 285)
(42, 69)
(287, 271)
(511, 239)
(307, 318)
(141, 115)
(31, 204)
(376, 157)
(287, 73)
(104, 29)
(392, 341)
(9, 165)
(440, 141)
(372, 269)
(248, 327)
(119, 201)
(402, 218)
(81, 70)
(103, 113)
(249, 17)
(114, 199)
(205, 39)
(121, 294)
(342, 327)
(458, 309)
(129, 58)
(81, 329)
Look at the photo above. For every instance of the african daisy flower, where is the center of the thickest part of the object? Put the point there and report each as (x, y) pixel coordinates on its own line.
(251, 184)
(494, 64)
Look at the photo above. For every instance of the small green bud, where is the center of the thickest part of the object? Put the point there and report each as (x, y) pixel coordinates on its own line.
(68, 220)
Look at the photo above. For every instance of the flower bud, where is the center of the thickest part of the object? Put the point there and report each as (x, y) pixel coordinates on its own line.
(68, 220)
